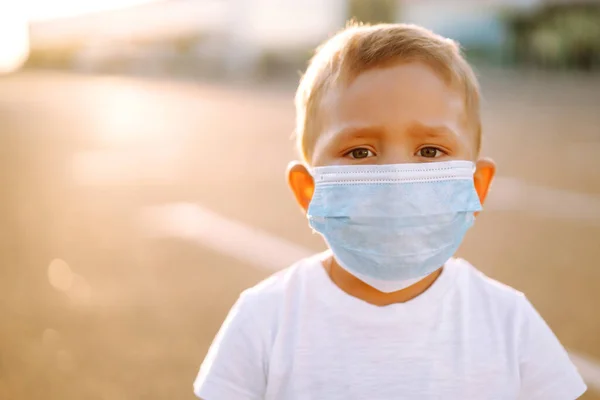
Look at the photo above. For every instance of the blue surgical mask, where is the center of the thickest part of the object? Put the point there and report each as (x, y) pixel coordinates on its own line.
(392, 225)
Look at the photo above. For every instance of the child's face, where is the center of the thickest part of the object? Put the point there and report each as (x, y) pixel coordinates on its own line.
(402, 114)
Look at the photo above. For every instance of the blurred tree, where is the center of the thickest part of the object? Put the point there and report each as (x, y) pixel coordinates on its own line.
(581, 31)
(558, 36)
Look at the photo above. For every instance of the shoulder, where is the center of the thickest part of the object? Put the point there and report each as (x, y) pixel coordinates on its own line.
(545, 369)
(484, 292)
(236, 363)
(268, 296)
(471, 278)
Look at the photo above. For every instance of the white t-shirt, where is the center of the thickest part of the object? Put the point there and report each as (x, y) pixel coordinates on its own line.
(298, 336)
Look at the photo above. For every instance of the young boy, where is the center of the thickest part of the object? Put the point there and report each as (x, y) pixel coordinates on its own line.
(389, 127)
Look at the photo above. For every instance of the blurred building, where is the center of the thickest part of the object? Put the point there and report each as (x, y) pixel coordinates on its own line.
(543, 33)
(263, 36)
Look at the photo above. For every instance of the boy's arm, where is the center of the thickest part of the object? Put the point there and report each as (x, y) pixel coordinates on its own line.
(545, 368)
(234, 365)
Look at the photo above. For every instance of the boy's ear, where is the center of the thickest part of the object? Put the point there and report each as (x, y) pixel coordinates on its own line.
(301, 182)
(484, 175)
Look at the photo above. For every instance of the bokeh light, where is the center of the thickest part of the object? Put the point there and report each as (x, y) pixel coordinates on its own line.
(14, 36)
(143, 153)
(60, 275)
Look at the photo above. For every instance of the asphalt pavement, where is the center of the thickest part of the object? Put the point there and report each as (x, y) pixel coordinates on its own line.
(133, 212)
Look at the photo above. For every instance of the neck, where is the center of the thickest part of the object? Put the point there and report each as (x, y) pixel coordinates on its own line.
(357, 288)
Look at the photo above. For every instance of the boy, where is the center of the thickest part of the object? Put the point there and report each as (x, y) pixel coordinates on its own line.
(389, 127)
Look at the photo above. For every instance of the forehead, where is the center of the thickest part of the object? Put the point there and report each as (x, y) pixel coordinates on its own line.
(394, 98)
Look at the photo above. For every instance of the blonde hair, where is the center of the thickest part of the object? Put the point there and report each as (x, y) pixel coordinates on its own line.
(359, 48)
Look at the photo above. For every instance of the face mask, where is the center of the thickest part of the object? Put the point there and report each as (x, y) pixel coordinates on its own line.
(392, 225)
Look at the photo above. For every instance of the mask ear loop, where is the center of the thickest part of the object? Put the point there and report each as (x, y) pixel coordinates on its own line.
(312, 171)
(473, 173)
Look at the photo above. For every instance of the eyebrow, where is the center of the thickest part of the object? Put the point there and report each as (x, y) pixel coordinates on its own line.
(354, 131)
(434, 132)
(415, 129)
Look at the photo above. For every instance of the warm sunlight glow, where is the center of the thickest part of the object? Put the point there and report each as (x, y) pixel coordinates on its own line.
(14, 37)
(50, 9)
(14, 22)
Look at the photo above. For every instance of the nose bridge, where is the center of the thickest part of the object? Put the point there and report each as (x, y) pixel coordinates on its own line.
(395, 149)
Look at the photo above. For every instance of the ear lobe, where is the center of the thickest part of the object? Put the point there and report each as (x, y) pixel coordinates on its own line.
(301, 183)
(483, 177)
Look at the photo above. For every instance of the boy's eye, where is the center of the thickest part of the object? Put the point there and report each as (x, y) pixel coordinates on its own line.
(430, 152)
(359, 153)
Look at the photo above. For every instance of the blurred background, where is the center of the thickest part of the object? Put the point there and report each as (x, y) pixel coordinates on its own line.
(142, 154)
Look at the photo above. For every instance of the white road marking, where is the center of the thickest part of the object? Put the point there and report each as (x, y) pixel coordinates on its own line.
(509, 194)
(207, 228)
(266, 251)
(588, 368)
